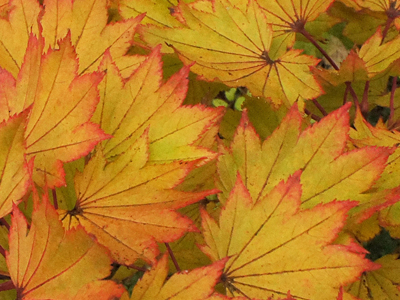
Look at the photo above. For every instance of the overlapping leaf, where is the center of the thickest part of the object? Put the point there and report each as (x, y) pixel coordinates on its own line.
(157, 11)
(49, 263)
(390, 7)
(197, 284)
(129, 205)
(286, 15)
(377, 56)
(90, 34)
(126, 109)
(14, 170)
(274, 247)
(379, 284)
(14, 34)
(58, 128)
(319, 151)
(233, 45)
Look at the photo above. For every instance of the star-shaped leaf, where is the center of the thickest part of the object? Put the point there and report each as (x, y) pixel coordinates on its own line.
(320, 149)
(58, 127)
(90, 34)
(127, 108)
(197, 284)
(48, 262)
(233, 45)
(14, 170)
(273, 247)
(21, 21)
(129, 205)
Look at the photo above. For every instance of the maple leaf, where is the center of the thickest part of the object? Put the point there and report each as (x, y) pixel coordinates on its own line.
(14, 170)
(126, 212)
(21, 21)
(157, 11)
(90, 34)
(288, 17)
(379, 284)
(58, 127)
(390, 7)
(273, 247)
(197, 284)
(320, 149)
(234, 46)
(100, 290)
(378, 56)
(49, 262)
(127, 108)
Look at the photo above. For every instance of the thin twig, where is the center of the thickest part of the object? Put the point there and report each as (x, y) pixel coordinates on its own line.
(55, 202)
(171, 254)
(330, 60)
(314, 117)
(364, 103)
(319, 106)
(392, 92)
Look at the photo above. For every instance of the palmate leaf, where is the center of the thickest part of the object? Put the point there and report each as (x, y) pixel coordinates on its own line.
(319, 151)
(21, 21)
(273, 247)
(390, 7)
(129, 205)
(197, 284)
(233, 45)
(379, 284)
(286, 15)
(90, 34)
(48, 262)
(14, 170)
(58, 127)
(157, 11)
(127, 108)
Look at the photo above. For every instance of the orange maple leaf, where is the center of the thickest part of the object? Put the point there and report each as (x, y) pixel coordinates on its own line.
(20, 22)
(58, 128)
(91, 36)
(48, 262)
(274, 247)
(129, 205)
(233, 45)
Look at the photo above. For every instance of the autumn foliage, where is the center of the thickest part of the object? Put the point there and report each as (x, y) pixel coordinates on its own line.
(199, 150)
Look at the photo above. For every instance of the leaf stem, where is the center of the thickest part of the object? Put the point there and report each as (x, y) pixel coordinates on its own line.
(389, 22)
(314, 117)
(319, 106)
(392, 92)
(364, 103)
(2, 251)
(55, 203)
(5, 286)
(4, 223)
(138, 268)
(171, 254)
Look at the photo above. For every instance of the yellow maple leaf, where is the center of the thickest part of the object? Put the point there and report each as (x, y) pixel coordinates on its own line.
(197, 284)
(127, 108)
(320, 149)
(273, 247)
(379, 284)
(14, 170)
(233, 45)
